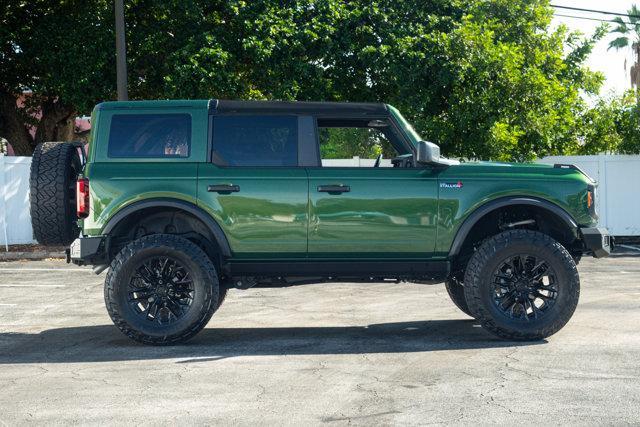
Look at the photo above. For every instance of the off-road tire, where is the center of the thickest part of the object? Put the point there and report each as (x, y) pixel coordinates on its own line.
(54, 170)
(455, 289)
(478, 284)
(201, 269)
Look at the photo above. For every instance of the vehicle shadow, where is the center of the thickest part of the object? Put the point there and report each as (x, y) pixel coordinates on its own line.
(105, 343)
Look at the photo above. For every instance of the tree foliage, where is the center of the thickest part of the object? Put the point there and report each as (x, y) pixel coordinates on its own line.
(612, 125)
(344, 143)
(628, 29)
(482, 78)
(60, 52)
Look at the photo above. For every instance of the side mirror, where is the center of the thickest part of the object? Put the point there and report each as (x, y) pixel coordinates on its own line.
(428, 153)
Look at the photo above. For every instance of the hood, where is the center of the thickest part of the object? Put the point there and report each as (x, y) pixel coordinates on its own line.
(516, 171)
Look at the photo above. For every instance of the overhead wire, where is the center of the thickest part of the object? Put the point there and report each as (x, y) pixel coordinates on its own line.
(591, 19)
(604, 12)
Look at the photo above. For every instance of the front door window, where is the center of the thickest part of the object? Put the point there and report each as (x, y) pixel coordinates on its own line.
(357, 143)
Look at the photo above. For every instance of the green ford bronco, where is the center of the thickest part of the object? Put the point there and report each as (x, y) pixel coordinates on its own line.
(182, 200)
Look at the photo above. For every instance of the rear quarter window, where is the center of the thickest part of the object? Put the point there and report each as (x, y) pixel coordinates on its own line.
(150, 136)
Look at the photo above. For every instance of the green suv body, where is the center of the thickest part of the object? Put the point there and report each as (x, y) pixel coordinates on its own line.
(263, 193)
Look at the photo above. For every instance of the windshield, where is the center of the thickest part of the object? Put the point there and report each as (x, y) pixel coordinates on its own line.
(405, 126)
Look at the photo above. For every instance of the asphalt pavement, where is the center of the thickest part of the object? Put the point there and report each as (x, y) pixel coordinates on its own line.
(338, 353)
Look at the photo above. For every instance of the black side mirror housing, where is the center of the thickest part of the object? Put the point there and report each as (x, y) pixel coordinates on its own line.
(429, 154)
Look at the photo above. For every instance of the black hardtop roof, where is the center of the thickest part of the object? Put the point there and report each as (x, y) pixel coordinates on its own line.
(298, 107)
(220, 106)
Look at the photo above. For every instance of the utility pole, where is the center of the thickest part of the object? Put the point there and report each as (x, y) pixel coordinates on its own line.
(121, 53)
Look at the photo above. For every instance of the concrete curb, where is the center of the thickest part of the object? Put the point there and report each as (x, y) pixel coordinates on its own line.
(37, 255)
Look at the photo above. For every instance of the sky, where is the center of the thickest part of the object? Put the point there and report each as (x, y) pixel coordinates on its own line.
(609, 62)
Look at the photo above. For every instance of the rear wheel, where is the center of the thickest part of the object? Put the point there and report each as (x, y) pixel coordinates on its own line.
(54, 170)
(522, 285)
(161, 289)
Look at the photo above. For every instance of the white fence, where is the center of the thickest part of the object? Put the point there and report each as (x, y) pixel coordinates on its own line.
(355, 162)
(618, 196)
(618, 200)
(15, 221)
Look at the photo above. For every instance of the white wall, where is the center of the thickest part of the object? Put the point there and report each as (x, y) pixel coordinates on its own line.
(15, 221)
(355, 161)
(618, 194)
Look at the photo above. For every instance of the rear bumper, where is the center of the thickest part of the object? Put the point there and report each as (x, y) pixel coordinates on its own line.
(597, 241)
(87, 250)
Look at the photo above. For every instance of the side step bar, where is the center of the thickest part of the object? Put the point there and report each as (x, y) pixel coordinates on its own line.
(436, 271)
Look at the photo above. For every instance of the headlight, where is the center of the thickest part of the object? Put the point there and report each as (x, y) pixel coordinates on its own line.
(591, 201)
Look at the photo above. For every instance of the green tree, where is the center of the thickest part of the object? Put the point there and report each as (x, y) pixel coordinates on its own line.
(629, 28)
(344, 143)
(483, 78)
(611, 125)
(59, 53)
(510, 87)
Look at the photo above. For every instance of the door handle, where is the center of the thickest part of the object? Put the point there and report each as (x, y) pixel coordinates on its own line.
(223, 188)
(334, 189)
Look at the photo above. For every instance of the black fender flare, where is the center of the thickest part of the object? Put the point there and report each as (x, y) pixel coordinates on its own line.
(198, 212)
(492, 205)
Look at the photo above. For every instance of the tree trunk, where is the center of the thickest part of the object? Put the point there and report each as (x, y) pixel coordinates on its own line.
(57, 122)
(12, 126)
(66, 128)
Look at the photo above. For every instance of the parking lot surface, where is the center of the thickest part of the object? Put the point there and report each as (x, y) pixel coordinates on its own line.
(329, 353)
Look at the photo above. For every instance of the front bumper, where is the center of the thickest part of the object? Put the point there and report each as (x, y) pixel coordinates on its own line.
(597, 241)
(87, 250)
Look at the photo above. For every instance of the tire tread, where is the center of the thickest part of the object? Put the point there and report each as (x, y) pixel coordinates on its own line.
(486, 251)
(52, 219)
(456, 292)
(176, 243)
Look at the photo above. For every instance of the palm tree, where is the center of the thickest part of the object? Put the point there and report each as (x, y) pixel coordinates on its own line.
(630, 36)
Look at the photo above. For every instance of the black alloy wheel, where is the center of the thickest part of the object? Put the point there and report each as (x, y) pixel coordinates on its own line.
(525, 287)
(161, 290)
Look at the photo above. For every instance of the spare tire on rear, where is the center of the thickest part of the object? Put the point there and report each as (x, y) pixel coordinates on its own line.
(54, 171)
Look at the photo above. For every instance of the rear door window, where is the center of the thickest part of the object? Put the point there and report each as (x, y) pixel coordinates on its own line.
(255, 140)
(150, 135)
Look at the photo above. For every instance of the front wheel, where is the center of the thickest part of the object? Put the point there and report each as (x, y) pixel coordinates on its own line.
(161, 289)
(455, 289)
(522, 285)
